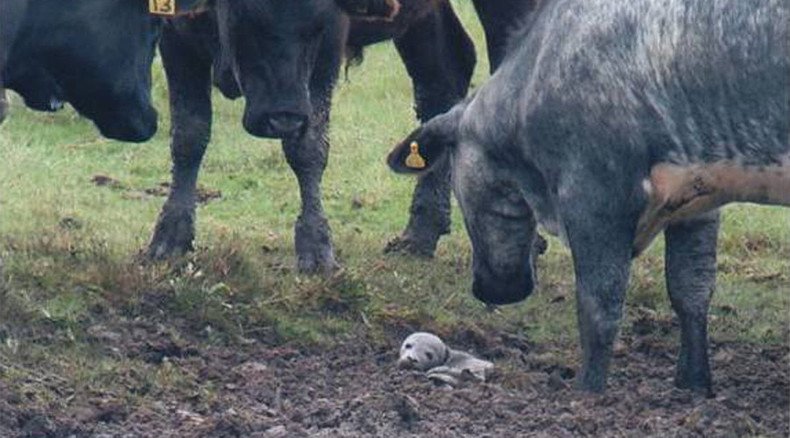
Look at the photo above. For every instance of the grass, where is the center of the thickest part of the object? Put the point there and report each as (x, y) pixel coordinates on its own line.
(69, 246)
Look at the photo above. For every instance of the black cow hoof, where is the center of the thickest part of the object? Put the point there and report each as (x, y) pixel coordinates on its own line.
(407, 245)
(172, 237)
(539, 245)
(166, 250)
(313, 242)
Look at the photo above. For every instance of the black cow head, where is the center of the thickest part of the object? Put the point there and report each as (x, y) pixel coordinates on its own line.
(500, 223)
(95, 54)
(281, 54)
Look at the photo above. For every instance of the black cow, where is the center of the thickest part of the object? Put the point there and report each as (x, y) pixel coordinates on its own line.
(440, 58)
(284, 58)
(95, 54)
(610, 121)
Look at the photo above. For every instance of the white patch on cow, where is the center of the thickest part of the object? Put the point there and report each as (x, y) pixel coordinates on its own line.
(647, 186)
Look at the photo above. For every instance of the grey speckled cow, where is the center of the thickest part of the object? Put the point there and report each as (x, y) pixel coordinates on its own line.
(610, 121)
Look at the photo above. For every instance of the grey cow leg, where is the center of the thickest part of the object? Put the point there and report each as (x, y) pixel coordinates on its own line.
(312, 236)
(690, 267)
(601, 249)
(190, 102)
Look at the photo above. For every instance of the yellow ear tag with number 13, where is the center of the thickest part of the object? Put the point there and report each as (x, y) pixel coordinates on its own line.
(162, 7)
(415, 160)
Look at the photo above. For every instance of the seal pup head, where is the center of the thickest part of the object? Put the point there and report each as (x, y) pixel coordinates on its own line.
(422, 351)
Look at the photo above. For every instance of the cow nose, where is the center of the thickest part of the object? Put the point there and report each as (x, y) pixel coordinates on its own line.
(286, 124)
(509, 290)
(135, 125)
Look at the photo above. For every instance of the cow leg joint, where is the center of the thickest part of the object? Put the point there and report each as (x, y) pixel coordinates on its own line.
(175, 228)
(312, 235)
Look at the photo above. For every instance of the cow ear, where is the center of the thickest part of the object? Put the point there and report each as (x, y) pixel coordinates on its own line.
(426, 145)
(370, 8)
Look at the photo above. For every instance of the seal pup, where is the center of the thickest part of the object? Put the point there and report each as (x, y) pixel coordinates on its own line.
(427, 352)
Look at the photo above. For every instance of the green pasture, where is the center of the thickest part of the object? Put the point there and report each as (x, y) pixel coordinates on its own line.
(69, 246)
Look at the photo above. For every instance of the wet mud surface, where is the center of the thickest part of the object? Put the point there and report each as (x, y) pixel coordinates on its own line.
(355, 390)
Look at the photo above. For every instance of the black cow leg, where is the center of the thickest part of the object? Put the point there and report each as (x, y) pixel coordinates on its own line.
(499, 19)
(308, 157)
(440, 59)
(690, 267)
(189, 81)
(601, 248)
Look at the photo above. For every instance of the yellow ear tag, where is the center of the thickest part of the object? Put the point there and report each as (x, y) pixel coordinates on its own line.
(415, 160)
(162, 7)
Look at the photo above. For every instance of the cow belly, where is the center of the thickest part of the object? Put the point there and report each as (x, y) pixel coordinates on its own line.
(677, 192)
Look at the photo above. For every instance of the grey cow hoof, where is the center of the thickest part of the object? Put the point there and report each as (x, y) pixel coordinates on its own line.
(699, 385)
(588, 382)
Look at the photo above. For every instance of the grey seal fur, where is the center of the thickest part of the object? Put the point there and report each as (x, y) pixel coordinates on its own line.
(427, 352)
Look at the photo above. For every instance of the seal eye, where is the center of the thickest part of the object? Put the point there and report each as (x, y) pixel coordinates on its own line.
(429, 355)
(407, 346)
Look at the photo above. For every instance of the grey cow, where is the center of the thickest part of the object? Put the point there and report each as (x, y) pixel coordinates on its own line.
(610, 121)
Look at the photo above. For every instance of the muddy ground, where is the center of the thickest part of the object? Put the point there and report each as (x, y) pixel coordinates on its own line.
(264, 389)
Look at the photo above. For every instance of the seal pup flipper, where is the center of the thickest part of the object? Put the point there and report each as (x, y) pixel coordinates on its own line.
(465, 363)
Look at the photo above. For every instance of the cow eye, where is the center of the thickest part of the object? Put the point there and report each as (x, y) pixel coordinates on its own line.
(429, 356)
(407, 346)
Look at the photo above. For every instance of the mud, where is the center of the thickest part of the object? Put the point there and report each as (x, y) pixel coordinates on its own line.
(261, 389)
(203, 194)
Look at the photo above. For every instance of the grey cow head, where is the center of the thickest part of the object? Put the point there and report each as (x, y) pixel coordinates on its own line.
(498, 220)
